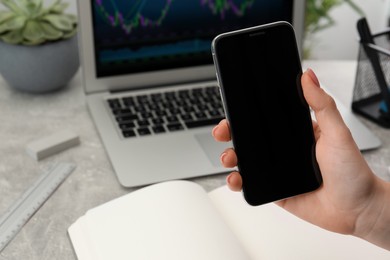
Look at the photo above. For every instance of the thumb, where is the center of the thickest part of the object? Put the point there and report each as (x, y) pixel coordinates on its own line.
(327, 115)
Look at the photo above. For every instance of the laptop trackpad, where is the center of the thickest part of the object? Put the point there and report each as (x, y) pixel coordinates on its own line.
(212, 148)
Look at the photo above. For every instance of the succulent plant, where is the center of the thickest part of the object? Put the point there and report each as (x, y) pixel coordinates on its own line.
(28, 22)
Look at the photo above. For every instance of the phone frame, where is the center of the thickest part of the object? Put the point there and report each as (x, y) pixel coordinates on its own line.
(251, 196)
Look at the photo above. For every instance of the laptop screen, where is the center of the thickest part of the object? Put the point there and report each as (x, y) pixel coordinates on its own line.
(143, 36)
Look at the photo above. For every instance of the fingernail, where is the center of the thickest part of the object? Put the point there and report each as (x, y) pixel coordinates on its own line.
(213, 131)
(313, 76)
(222, 158)
(228, 178)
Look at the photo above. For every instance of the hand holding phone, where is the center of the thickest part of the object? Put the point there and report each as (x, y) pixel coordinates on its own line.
(259, 73)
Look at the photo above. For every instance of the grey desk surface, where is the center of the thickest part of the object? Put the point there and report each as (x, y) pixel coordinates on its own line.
(26, 117)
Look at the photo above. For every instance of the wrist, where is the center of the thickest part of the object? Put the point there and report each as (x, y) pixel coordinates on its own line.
(373, 224)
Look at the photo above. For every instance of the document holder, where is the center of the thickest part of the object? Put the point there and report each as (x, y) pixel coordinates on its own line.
(371, 94)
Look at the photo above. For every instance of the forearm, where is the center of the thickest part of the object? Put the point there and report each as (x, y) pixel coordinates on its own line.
(374, 223)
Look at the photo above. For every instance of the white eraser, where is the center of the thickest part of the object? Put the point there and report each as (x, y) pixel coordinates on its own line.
(52, 144)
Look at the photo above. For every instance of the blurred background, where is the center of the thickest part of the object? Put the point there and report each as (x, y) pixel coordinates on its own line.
(337, 38)
(332, 30)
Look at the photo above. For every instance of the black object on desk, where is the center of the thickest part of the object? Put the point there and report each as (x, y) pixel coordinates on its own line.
(371, 95)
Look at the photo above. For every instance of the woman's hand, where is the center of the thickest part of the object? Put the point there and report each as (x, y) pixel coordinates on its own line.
(352, 199)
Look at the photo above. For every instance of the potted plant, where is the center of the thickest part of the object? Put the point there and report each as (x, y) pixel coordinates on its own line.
(38, 45)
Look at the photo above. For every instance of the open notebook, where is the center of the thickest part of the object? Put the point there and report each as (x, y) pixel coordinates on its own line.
(178, 220)
(150, 82)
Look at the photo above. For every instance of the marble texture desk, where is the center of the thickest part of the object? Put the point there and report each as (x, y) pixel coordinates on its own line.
(26, 117)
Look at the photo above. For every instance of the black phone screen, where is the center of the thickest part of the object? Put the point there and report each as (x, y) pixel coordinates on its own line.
(259, 72)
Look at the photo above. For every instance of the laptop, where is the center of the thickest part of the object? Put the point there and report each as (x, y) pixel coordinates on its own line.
(135, 56)
(150, 83)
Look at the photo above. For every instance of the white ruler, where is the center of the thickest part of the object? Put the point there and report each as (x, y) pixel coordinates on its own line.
(21, 211)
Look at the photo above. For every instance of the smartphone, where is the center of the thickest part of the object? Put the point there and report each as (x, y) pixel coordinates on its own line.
(259, 73)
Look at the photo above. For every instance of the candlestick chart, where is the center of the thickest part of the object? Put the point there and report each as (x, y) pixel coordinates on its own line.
(153, 34)
(136, 16)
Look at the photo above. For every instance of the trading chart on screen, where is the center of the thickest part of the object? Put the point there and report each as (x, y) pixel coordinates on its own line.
(143, 35)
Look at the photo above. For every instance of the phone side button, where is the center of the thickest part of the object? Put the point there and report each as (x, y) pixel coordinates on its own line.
(216, 75)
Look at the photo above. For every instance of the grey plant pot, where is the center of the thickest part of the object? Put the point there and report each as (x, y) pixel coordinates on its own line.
(41, 68)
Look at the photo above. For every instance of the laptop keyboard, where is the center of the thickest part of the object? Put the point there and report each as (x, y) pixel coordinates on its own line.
(165, 112)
